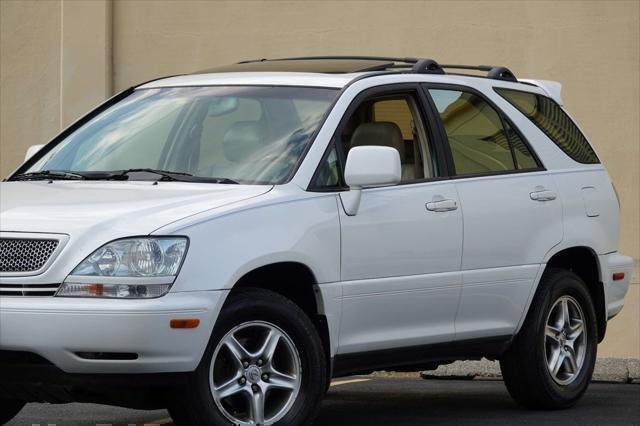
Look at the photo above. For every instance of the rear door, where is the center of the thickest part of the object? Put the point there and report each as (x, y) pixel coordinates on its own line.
(512, 214)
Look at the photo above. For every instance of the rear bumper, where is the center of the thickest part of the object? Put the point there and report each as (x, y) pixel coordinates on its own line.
(135, 334)
(615, 290)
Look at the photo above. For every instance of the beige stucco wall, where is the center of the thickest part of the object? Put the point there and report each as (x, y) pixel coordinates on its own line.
(59, 57)
(29, 77)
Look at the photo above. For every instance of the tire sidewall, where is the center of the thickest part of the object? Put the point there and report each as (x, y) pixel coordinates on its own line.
(264, 306)
(9, 409)
(567, 284)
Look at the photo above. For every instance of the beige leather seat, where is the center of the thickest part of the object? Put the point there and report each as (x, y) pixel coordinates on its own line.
(384, 133)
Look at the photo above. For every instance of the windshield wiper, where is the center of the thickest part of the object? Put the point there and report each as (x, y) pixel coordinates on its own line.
(165, 175)
(171, 176)
(49, 175)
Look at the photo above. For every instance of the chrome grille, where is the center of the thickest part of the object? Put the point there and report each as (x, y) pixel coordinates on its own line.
(24, 254)
(28, 289)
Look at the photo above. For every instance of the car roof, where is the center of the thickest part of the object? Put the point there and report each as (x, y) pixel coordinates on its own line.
(321, 71)
(256, 78)
(339, 71)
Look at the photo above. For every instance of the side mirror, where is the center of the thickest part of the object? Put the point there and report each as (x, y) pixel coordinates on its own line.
(32, 150)
(369, 166)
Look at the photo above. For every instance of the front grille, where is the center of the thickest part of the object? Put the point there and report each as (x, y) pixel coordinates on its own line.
(24, 254)
(28, 289)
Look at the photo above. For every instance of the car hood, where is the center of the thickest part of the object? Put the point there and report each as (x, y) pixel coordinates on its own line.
(115, 209)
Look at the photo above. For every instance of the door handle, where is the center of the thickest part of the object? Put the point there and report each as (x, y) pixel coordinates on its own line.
(543, 195)
(442, 206)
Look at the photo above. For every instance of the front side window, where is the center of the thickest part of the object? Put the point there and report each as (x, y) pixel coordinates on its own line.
(477, 137)
(554, 122)
(249, 134)
(327, 176)
(394, 121)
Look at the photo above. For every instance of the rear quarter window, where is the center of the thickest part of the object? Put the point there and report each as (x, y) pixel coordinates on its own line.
(545, 113)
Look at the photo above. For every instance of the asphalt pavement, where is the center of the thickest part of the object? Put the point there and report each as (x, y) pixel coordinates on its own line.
(393, 401)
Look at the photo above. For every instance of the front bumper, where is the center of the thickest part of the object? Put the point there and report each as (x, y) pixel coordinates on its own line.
(59, 329)
(615, 290)
(33, 382)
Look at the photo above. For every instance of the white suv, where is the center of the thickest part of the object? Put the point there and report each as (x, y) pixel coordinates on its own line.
(224, 243)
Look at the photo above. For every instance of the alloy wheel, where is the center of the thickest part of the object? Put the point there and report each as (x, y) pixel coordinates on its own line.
(255, 374)
(565, 341)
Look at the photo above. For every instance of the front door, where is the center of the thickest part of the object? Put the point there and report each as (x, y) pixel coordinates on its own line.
(401, 252)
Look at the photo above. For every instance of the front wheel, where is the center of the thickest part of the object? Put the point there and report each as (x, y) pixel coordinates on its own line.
(9, 408)
(551, 360)
(264, 365)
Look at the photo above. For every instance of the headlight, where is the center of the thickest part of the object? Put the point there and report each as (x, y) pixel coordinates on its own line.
(128, 268)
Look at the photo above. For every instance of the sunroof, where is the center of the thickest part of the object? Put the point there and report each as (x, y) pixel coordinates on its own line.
(329, 66)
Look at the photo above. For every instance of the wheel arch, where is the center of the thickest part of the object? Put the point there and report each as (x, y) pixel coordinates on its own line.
(584, 262)
(297, 282)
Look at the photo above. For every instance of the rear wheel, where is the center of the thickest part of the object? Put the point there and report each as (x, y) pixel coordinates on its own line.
(264, 365)
(9, 408)
(551, 360)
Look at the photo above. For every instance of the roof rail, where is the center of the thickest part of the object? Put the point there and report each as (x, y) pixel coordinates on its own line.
(407, 60)
(494, 72)
(415, 65)
(427, 66)
(418, 65)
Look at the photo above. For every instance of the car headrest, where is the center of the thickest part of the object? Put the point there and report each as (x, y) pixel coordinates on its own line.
(382, 133)
(243, 139)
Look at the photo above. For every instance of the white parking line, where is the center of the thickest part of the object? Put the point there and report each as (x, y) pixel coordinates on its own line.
(346, 382)
(164, 421)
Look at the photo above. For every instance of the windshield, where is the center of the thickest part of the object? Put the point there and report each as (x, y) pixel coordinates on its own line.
(248, 134)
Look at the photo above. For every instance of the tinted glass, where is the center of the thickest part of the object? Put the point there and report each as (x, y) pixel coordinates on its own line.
(327, 176)
(479, 143)
(248, 134)
(524, 158)
(394, 121)
(554, 122)
(397, 111)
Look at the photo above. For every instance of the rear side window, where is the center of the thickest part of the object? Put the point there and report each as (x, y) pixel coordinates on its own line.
(524, 158)
(554, 122)
(480, 141)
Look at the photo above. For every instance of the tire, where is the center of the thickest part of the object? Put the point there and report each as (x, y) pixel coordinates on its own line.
(530, 369)
(249, 316)
(9, 408)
